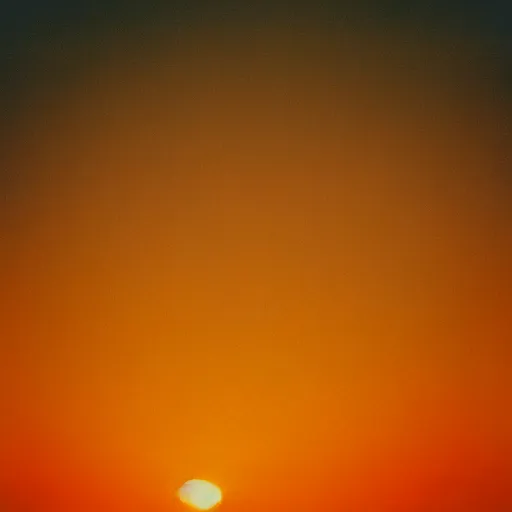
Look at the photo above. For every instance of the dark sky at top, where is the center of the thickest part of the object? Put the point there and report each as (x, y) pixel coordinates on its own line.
(28, 17)
(39, 39)
(30, 28)
(26, 20)
(27, 23)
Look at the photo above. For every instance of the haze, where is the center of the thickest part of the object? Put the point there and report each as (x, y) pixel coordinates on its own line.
(276, 259)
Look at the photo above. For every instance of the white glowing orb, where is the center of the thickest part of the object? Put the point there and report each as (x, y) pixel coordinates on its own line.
(200, 494)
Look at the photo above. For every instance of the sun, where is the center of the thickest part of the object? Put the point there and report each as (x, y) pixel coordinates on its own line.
(200, 494)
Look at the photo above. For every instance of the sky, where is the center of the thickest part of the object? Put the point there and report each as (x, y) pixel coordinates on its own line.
(270, 250)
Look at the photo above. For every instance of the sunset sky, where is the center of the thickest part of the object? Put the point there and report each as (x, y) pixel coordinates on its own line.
(270, 254)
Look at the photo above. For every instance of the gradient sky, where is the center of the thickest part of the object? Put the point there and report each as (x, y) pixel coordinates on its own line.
(275, 256)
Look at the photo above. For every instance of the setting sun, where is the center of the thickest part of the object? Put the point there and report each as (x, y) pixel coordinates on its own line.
(200, 494)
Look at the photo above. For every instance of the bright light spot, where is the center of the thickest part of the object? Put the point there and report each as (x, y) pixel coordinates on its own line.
(200, 494)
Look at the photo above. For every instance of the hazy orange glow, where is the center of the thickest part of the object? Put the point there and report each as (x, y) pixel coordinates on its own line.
(281, 264)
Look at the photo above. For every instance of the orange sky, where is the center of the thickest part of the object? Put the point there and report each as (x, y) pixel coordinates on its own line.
(276, 261)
